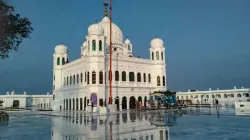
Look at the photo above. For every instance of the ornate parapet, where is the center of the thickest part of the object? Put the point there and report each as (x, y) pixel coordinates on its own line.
(4, 117)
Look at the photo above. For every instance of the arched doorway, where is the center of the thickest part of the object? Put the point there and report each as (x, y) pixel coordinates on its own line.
(69, 104)
(66, 104)
(80, 103)
(74, 104)
(145, 101)
(85, 102)
(16, 103)
(124, 102)
(140, 99)
(117, 103)
(101, 102)
(132, 104)
(77, 103)
(93, 98)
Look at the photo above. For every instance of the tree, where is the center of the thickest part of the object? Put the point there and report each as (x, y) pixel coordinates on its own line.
(13, 29)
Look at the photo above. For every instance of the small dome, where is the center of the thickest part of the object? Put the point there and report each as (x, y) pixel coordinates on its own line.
(95, 29)
(127, 41)
(61, 49)
(157, 42)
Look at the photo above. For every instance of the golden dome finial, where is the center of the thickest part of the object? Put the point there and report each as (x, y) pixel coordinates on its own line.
(105, 8)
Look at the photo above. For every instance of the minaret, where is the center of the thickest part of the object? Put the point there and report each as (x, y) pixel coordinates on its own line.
(60, 58)
(157, 55)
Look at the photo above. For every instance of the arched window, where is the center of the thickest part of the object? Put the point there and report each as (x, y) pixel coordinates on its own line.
(93, 45)
(116, 76)
(232, 95)
(123, 76)
(152, 55)
(149, 78)
(157, 55)
(100, 45)
(63, 61)
(58, 61)
(213, 96)
(163, 81)
(225, 95)
(158, 81)
(131, 77)
(138, 77)
(100, 77)
(161, 55)
(144, 77)
(129, 48)
(88, 78)
(246, 94)
(81, 77)
(67, 80)
(74, 79)
(93, 77)
(77, 78)
(70, 80)
(238, 95)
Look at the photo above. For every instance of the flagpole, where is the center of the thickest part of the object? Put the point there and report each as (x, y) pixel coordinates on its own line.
(110, 58)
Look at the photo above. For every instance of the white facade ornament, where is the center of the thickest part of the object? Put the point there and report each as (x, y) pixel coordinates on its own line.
(24, 93)
(12, 92)
(7, 93)
(235, 87)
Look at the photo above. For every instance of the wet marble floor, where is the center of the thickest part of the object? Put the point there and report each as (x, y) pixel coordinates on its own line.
(194, 124)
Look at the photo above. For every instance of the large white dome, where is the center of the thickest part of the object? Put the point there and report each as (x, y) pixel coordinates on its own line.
(117, 35)
(61, 49)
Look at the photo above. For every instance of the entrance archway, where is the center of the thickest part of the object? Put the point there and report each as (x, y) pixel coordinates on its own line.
(85, 102)
(77, 103)
(145, 101)
(16, 103)
(69, 104)
(93, 98)
(124, 102)
(80, 103)
(132, 104)
(74, 104)
(140, 99)
(101, 102)
(66, 104)
(117, 103)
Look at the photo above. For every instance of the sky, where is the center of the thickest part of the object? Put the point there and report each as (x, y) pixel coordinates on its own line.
(207, 42)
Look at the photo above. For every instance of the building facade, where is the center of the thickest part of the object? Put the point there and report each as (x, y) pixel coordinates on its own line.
(79, 82)
(225, 97)
(27, 101)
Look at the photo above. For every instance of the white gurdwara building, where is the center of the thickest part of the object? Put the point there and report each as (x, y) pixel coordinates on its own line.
(77, 83)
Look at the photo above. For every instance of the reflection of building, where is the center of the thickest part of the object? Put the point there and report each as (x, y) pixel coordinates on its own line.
(127, 126)
(27, 101)
(224, 96)
(77, 83)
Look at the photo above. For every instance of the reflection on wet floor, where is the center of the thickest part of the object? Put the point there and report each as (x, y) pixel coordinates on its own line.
(130, 125)
(195, 123)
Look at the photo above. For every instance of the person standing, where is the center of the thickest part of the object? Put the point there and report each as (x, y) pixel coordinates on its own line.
(217, 104)
(92, 106)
